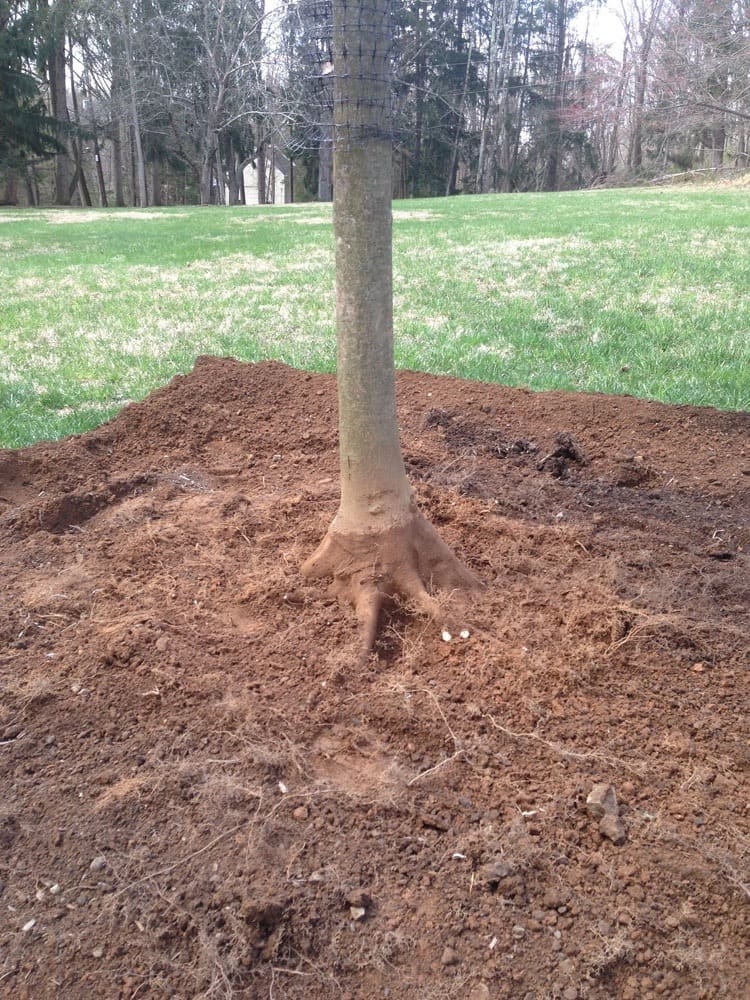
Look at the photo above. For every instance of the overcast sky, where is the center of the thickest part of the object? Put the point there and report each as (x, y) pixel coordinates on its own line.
(605, 26)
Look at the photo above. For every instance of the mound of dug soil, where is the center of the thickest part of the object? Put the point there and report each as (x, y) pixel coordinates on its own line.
(205, 796)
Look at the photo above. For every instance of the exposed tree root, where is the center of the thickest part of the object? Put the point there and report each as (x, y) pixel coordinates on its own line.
(401, 561)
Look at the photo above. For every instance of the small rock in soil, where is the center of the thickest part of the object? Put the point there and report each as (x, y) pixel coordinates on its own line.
(449, 957)
(494, 872)
(359, 899)
(433, 823)
(301, 813)
(9, 830)
(98, 864)
(554, 897)
(602, 801)
(480, 992)
(613, 829)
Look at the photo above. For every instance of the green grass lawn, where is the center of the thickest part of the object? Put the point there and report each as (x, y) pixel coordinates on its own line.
(644, 292)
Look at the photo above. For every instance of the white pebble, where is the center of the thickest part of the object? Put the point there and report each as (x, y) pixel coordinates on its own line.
(446, 635)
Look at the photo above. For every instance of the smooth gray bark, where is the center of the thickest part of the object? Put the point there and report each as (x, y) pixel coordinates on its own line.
(373, 481)
(379, 545)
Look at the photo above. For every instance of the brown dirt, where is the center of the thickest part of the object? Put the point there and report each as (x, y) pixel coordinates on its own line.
(205, 796)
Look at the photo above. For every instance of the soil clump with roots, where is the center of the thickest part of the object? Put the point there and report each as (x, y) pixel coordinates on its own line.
(207, 793)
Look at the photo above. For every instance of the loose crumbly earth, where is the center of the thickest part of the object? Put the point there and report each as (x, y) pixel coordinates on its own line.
(204, 794)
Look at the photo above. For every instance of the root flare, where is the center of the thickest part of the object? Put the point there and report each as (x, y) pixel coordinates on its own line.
(401, 561)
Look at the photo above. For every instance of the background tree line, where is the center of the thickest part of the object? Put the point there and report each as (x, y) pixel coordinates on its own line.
(115, 102)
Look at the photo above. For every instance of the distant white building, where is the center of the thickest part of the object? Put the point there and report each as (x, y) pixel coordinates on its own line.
(279, 180)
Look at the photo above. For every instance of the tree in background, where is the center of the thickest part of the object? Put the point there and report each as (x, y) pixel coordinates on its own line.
(168, 100)
(26, 128)
(305, 93)
(701, 84)
(379, 545)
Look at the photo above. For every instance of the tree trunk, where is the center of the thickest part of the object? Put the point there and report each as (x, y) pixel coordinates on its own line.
(373, 477)
(221, 194)
(614, 142)
(636, 139)
(379, 545)
(117, 116)
(156, 198)
(77, 142)
(558, 98)
(419, 81)
(11, 189)
(31, 193)
(140, 163)
(718, 143)
(504, 144)
(117, 170)
(133, 179)
(260, 167)
(230, 160)
(98, 160)
(241, 181)
(495, 129)
(207, 172)
(212, 172)
(59, 102)
(648, 19)
(450, 187)
(518, 125)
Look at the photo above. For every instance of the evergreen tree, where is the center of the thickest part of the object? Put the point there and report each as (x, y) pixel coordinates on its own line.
(25, 127)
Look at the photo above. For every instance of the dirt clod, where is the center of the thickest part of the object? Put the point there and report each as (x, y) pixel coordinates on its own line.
(248, 780)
